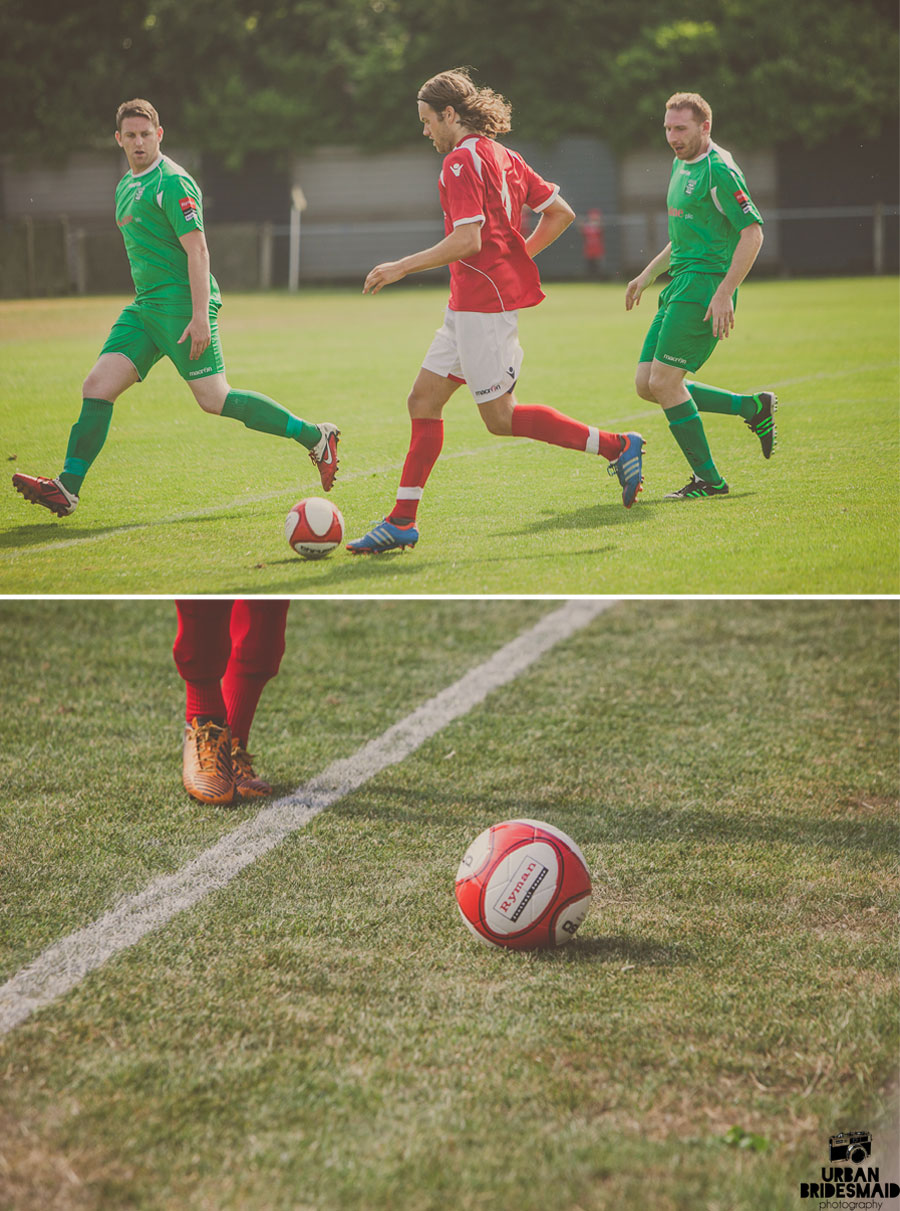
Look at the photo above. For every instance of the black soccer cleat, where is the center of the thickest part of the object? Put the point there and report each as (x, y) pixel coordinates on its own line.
(763, 424)
(696, 488)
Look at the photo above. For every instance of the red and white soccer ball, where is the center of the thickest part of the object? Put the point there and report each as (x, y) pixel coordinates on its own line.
(523, 884)
(314, 527)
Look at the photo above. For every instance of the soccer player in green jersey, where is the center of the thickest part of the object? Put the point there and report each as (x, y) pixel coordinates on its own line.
(715, 234)
(159, 210)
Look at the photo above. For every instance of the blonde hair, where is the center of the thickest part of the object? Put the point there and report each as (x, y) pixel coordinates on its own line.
(480, 109)
(137, 108)
(694, 101)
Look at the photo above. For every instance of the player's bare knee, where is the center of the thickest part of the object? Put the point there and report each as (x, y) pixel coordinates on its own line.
(497, 415)
(98, 386)
(642, 385)
(211, 394)
(657, 385)
(499, 425)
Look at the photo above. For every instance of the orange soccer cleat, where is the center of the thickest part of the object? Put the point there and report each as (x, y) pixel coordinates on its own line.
(207, 772)
(247, 785)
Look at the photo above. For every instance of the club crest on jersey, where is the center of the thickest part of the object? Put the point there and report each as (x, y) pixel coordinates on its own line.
(742, 200)
(189, 209)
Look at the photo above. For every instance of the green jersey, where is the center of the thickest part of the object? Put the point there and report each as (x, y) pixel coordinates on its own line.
(153, 210)
(709, 206)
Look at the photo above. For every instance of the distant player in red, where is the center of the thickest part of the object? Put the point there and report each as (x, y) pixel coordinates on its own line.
(226, 652)
(593, 243)
(483, 187)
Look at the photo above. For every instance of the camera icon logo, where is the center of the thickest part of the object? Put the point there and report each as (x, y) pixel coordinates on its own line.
(853, 1146)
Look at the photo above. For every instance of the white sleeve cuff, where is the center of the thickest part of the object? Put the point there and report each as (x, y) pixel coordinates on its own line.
(552, 198)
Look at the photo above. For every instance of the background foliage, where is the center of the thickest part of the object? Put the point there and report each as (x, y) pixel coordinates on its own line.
(234, 76)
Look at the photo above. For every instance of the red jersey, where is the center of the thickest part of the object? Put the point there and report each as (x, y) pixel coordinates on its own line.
(483, 181)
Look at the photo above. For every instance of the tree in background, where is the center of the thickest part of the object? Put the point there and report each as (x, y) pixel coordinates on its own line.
(235, 76)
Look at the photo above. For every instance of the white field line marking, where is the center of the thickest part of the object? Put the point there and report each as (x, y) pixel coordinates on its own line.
(64, 964)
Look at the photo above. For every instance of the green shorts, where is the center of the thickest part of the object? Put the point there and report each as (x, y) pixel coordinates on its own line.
(679, 335)
(144, 336)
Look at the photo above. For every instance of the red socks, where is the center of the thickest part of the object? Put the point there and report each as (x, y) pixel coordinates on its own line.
(536, 421)
(544, 424)
(226, 651)
(257, 646)
(424, 448)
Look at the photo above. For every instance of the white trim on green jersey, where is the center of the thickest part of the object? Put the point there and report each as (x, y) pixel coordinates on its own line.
(709, 205)
(154, 209)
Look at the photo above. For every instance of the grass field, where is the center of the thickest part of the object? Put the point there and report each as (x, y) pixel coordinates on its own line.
(323, 1033)
(182, 502)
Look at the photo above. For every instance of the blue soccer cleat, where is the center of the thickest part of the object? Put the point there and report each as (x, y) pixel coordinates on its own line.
(385, 536)
(629, 468)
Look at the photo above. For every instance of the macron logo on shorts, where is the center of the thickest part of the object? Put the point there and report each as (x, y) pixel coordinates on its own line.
(189, 209)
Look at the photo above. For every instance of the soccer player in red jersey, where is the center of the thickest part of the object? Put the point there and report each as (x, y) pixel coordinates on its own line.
(483, 187)
(226, 652)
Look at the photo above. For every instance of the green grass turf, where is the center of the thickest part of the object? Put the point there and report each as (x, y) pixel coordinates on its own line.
(324, 1033)
(182, 502)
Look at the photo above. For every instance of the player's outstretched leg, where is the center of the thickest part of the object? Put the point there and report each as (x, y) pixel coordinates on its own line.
(264, 415)
(763, 423)
(629, 468)
(206, 765)
(324, 453)
(247, 784)
(47, 492)
(542, 423)
(385, 536)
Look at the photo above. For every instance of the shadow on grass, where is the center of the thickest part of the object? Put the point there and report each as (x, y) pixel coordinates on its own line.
(702, 826)
(697, 826)
(367, 570)
(588, 517)
(621, 950)
(61, 532)
(50, 533)
(355, 572)
(604, 516)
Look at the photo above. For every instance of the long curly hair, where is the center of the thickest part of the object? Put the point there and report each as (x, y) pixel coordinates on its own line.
(480, 109)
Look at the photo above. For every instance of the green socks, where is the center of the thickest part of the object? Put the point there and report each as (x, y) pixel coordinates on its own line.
(263, 414)
(256, 411)
(85, 442)
(712, 399)
(687, 429)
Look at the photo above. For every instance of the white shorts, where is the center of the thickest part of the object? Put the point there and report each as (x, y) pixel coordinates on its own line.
(479, 349)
